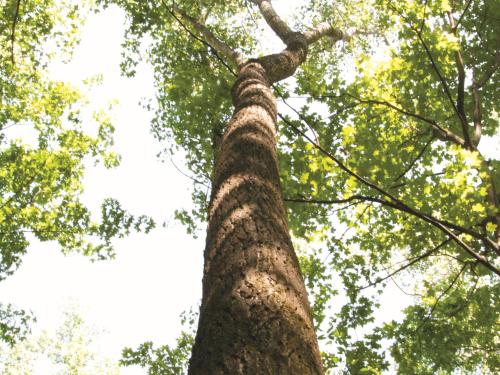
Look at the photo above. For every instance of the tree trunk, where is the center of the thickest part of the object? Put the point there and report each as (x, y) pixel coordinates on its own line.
(255, 317)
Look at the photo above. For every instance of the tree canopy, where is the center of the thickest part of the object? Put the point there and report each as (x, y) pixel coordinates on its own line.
(386, 161)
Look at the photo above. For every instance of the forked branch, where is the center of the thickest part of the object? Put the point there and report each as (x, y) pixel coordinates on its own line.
(285, 33)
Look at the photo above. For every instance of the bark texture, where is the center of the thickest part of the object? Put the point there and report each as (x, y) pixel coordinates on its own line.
(255, 316)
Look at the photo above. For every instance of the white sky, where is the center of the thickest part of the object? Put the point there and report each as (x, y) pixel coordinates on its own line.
(138, 296)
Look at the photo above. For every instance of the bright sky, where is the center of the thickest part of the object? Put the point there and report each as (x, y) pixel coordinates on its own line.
(138, 296)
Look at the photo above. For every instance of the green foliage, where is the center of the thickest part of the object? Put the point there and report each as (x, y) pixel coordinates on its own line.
(14, 324)
(165, 360)
(45, 144)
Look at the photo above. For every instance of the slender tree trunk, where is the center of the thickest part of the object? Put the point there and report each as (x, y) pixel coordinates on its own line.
(255, 317)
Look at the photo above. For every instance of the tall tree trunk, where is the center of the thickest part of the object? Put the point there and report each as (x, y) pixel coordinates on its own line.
(255, 317)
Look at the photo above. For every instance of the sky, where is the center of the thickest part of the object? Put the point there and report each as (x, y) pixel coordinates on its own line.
(139, 295)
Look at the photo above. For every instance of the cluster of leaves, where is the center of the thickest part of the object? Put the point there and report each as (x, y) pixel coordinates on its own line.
(14, 324)
(45, 143)
(165, 360)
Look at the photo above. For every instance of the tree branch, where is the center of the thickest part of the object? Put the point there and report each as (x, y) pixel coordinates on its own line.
(420, 154)
(476, 114)
(409, 264)
(280, 27)
(285, 33)
(461, 83)
(13, 34)
(462, 15)
(418, 32)
(326, 29)
(441, 132)
(398, 204)
(209, 38)
(439, 298)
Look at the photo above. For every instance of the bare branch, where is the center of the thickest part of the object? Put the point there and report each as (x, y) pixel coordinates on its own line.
(280, 27)
(285, 33)
(325, 29)
(210, 38)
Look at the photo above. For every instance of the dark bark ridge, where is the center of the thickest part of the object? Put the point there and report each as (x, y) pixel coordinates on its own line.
(255, 317)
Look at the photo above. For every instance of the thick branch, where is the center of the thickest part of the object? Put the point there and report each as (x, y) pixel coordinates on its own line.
(325, 29)
(461, 83)
(210, 38)
(282, 30)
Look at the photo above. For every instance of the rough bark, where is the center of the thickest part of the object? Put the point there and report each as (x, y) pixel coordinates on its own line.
(255, 316)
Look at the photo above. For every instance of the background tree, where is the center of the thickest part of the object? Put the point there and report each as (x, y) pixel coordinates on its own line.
(47, 138)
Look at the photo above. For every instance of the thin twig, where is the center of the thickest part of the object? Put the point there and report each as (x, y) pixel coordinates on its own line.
(440, 76)
(462, 15)
(409, 264)
(186, 175)
(414, 161)
(439, 298)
